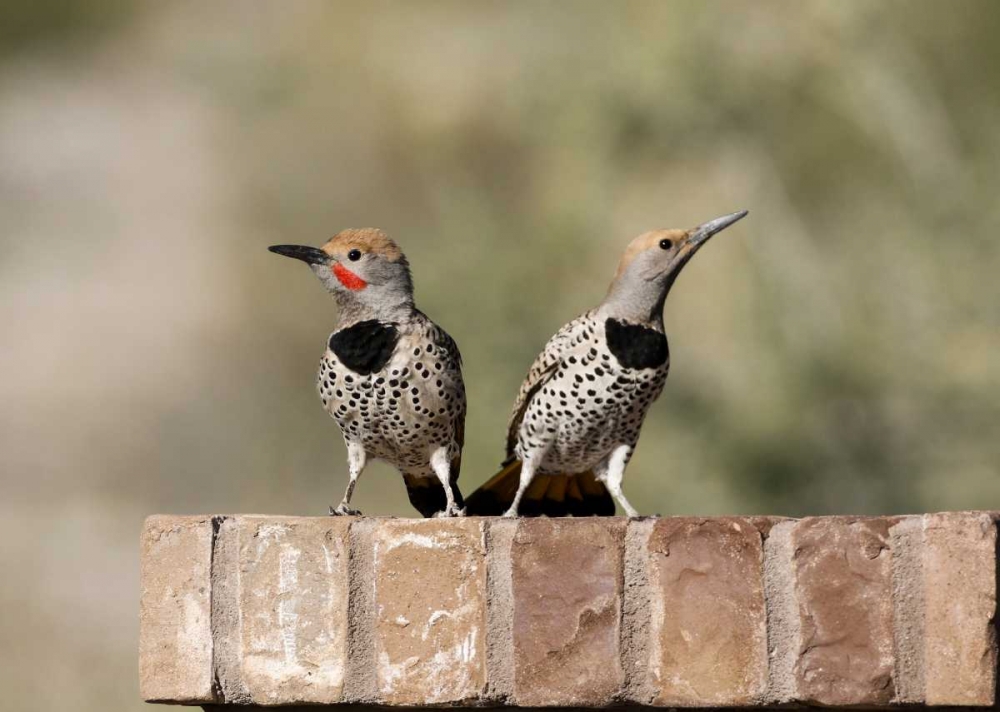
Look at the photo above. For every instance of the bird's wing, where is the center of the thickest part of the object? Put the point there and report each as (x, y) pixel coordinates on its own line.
(452, 363)
(426, 493)
(547, 363)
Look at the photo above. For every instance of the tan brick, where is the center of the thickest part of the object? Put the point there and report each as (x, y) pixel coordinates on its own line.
(175, 632)
(293, 597)
(708, 638)
(959, 579)
(430, 610)
(567, 599)
(842, 573)
(255, 610)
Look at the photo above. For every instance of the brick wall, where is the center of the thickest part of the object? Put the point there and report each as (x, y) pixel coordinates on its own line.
(677, 612)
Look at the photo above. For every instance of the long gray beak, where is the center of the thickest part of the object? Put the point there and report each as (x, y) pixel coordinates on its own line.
(310, 255)
(703, 232)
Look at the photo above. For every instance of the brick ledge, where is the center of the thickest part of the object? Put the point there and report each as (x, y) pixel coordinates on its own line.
(868, 612)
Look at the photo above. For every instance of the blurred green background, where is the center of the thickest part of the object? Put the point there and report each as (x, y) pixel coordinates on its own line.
(838, 351)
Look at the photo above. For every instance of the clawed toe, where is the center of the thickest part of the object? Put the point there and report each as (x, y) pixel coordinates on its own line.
(342, 510)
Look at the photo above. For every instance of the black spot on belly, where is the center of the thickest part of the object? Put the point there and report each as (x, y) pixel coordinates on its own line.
(636, 346)
(365, 347)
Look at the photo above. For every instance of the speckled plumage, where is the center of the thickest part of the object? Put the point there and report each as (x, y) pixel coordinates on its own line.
(579, 412)
(583, 401)
(414, 403)
(390, 377)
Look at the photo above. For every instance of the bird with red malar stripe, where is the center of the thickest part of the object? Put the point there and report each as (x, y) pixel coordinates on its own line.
(389, 376)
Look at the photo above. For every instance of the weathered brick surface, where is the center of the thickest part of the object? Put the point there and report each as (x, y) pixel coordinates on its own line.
(175, 634)
(567, 595)
(708, 634)
(682, 612)
(959, 569)
(843, 586)
(430, 610)
(293, 583)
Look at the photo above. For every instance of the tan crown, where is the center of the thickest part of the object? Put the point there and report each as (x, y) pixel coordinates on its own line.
(646, 241)
(366, 239)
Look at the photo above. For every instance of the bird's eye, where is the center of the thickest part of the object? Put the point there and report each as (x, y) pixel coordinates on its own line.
(666, 244)
(354, 255)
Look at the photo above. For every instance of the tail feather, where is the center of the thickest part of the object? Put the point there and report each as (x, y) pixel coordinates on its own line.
(557, 489)
(427, 495)
(493, 498)
(579, 495)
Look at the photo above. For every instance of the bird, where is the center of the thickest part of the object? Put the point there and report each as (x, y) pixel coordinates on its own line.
(577, 417)
(390, 377)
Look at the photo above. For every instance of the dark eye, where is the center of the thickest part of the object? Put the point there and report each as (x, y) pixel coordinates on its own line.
(666, 244)
(354, 255)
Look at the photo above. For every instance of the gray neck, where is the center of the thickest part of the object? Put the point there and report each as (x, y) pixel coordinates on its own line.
(385, 304)
(637, 300)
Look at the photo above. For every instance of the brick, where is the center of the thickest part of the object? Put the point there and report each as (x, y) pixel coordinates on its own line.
(567, 601)
(861, 612)
(430, 611)
(175, 633)
(959, 580)
(708, 637)
(293, 594)
(843, 584)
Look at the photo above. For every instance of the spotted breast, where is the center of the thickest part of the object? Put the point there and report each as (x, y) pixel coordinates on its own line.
(396, 389)
(596, 396)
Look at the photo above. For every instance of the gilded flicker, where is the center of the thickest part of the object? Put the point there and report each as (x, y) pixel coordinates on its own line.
(577, 417)
(390, 377)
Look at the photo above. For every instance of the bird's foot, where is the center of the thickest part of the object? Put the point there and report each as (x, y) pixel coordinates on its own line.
(451, 511)
(510, 514)
(343, 510)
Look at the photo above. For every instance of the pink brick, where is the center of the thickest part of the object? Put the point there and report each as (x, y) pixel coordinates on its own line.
(567, 597)
(842, 571)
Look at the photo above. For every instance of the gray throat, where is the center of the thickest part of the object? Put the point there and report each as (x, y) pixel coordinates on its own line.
(393, 307)
(638, 301)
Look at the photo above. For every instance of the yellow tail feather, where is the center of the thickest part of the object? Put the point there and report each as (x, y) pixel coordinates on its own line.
(579, 495)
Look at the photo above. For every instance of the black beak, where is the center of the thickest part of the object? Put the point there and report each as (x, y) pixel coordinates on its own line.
(701, 233)
(310, 255)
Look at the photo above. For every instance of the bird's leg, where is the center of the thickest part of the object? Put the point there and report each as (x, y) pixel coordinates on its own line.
(441, 465)
(356, 462)
(611, 472)
(527, 475)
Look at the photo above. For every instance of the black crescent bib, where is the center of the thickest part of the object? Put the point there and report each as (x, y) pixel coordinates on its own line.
(636, 346)
(365, 347)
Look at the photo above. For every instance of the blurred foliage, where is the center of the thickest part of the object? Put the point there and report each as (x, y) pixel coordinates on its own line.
(57, 24)
(835, 352)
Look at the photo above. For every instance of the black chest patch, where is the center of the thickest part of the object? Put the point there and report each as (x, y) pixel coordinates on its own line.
(365, 347)
(636, 346)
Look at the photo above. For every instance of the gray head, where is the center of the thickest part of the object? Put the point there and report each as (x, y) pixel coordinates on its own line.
(650, 265)
(364, 270)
